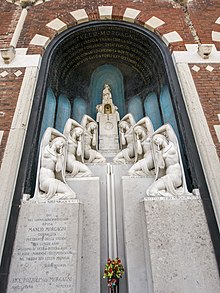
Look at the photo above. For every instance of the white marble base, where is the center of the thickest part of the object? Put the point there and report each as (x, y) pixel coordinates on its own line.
(167, 243)
(180, 250)
(47, 249)
(134, 190)
(88, 191)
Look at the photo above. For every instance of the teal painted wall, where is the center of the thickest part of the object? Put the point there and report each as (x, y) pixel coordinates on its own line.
(111, 75)
(63, 112)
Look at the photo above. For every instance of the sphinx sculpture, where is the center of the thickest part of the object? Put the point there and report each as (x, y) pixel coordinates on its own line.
(51, 184)
(74, 134)
(127, 154)
(91, 154)
(169, 179)
(144, 164)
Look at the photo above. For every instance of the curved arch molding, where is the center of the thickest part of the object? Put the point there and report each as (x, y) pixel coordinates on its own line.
(105, 13)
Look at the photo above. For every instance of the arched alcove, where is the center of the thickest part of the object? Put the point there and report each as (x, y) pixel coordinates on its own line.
(79, 109)
(135, 107)
(134, 61)
(71, 61)
(111, 75)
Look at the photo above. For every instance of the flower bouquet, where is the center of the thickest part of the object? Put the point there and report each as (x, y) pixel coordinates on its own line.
(113, 271)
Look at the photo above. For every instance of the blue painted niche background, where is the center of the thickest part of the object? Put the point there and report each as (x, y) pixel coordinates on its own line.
(111, 75)
(157, 106)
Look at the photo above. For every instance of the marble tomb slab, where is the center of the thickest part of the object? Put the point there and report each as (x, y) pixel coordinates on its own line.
(88, 191)
(180, 250)
(47, 250)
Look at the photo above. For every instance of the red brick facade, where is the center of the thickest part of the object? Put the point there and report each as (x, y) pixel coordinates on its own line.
(208, 87)
(10, 87)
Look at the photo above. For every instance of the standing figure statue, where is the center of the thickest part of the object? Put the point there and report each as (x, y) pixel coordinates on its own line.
(144, 165)
(91, 141)
(106, 95)
(51, 184)
(107, 106)
(74, 132)
(169, 178)
(127, 155)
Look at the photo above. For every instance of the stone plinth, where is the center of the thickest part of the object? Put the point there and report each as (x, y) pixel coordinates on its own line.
(88, 191)
(180, 250)
(47, 249)
(108, 131)
(167, 243)
(134, 190)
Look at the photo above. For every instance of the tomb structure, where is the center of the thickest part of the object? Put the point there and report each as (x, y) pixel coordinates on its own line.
(88, 207)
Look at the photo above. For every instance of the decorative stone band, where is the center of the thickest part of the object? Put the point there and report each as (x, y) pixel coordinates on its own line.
(57, 25)
(105, 12)
(130, 14)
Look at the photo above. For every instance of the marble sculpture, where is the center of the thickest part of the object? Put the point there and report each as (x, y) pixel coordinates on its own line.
(144, 165)
(152, 153)
(74, 133)
(127, 154)
(51, 168)
(91, 141)
(169, 179)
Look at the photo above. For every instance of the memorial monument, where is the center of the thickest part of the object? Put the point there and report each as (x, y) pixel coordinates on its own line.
(100, 187)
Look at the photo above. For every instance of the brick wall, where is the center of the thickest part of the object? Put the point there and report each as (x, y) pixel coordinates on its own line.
(9, 91)
(9, 15)
(171, 13)
(208, 87)
(203, 15)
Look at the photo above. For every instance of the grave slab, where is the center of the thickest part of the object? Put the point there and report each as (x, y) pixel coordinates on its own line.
(47, 250)
(88, 191)
(180, 250)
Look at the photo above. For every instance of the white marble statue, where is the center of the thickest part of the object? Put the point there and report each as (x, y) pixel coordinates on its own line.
(108, 118)
(127, 154)
(144, 165)
(107, 106)
(74, 133)
(51, 184)
(91, 154)
(169, 180)
(106, 95)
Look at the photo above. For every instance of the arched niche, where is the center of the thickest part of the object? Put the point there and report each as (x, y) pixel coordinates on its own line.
(49, 111)
(79, 109)
(63, 112)
(79, 60)
(67, 67)
(135, 107)
(167, 108)
(152, 110)
(113, 77)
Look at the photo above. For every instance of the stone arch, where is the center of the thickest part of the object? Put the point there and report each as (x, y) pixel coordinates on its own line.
(105, 13)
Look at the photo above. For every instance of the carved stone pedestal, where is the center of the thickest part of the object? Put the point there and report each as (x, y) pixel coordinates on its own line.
(167, 242)
(47, 249)
(88, 191)
(178, 246)
(136, 269)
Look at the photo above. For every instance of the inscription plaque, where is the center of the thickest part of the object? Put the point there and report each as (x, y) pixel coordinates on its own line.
(47, 250)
